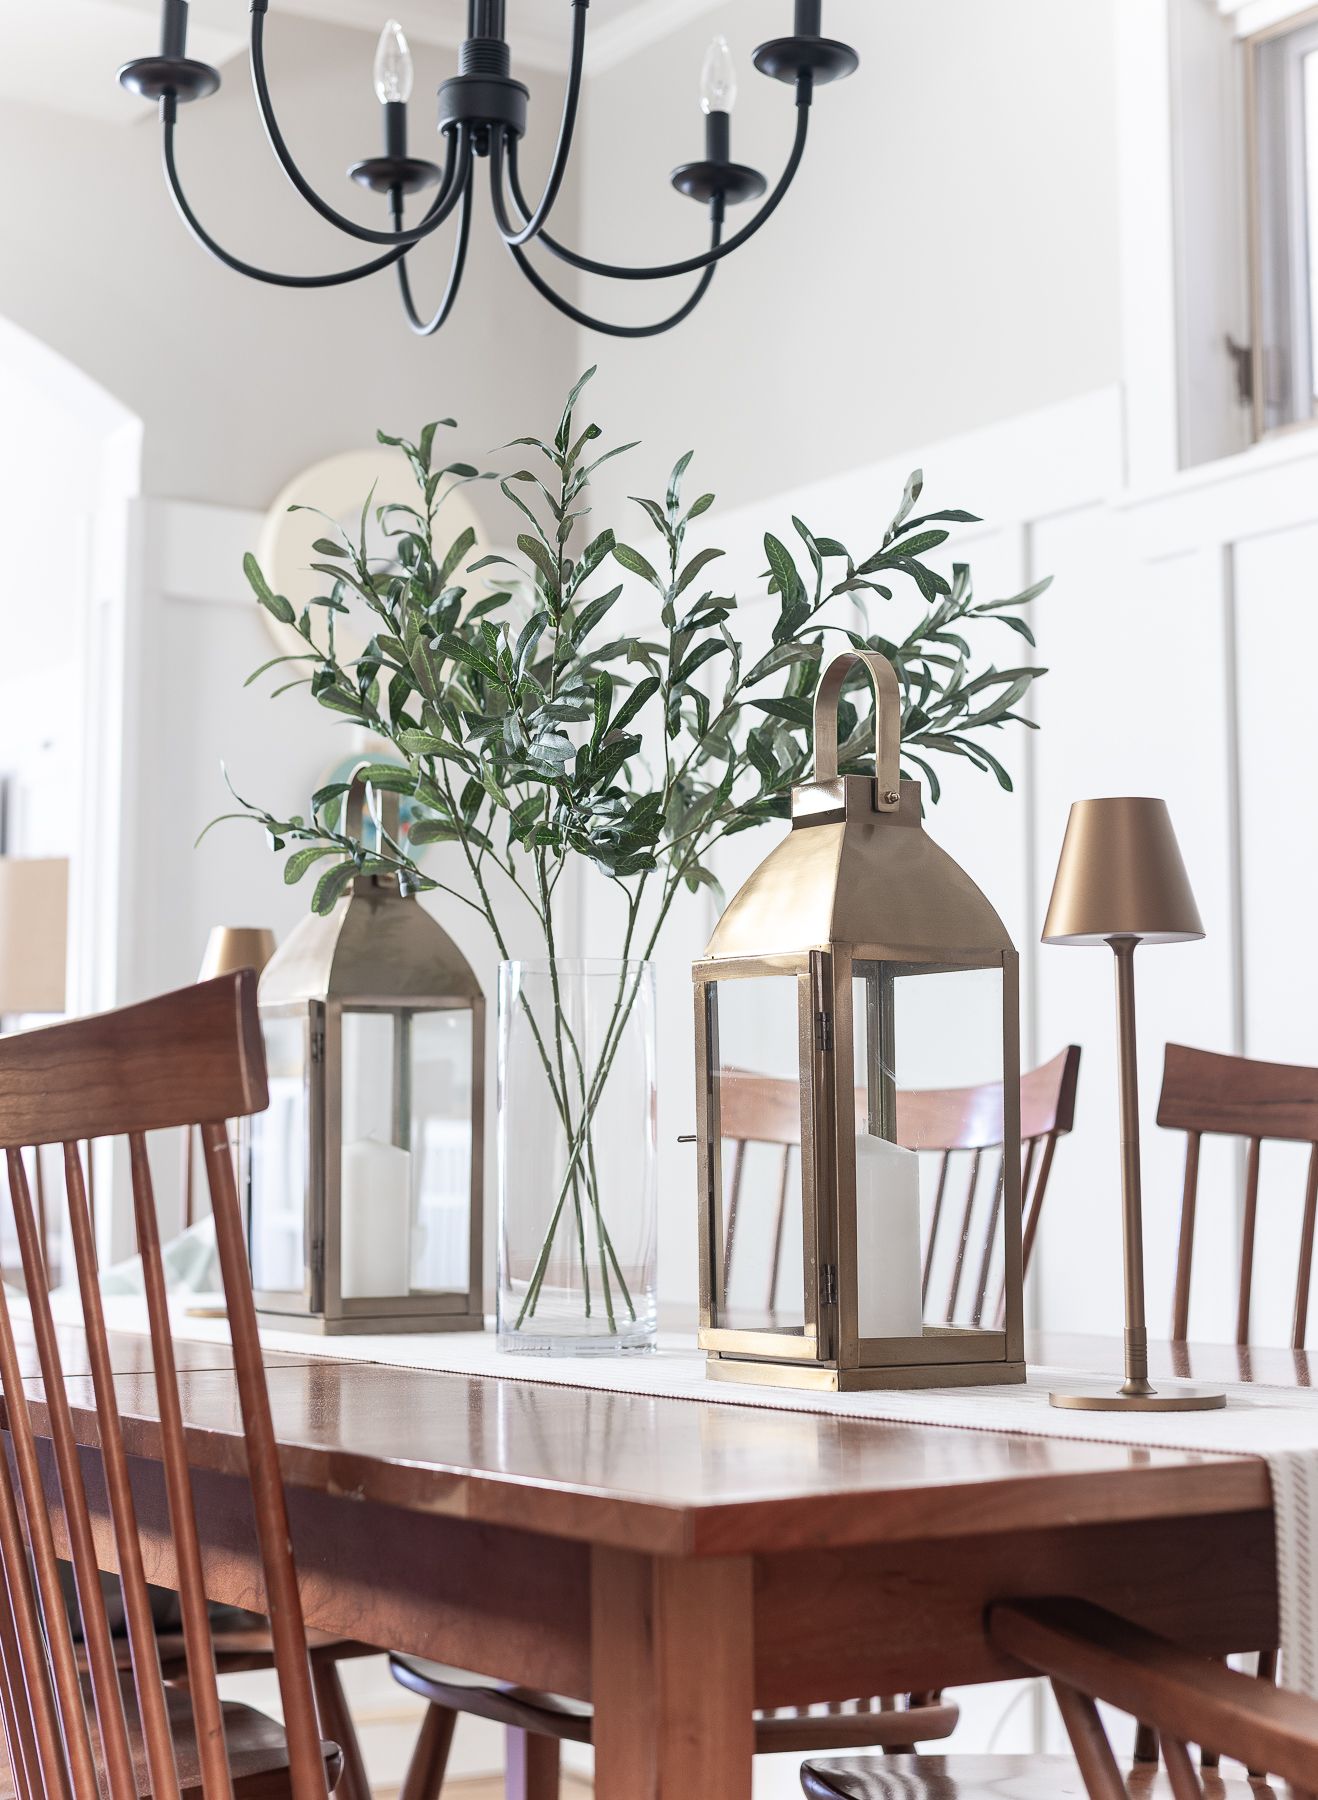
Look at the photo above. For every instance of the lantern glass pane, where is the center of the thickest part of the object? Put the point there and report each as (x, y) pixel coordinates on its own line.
(439, 1138)
(757, 1072)
(375, 1167)
(280, 1149)
(928, 1049)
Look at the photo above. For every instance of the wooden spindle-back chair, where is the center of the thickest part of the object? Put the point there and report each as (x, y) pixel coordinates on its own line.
(537, 1724)
(1091, 1655)
(191, 1057)
(765, 1109)
(758, 1109)
(1204, 1092)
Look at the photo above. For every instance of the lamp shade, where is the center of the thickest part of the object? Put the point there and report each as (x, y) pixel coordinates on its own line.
(1120, 875)
(34, 910)
(233, 947)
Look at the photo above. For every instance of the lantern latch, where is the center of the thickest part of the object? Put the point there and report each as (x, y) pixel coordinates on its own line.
(828, 1284)
(317, 1043)
(824, 1030)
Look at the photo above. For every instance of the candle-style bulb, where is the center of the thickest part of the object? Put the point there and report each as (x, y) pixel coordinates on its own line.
(718, 78)
(393, 65)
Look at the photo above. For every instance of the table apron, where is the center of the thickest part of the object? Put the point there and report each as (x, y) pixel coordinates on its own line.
(828, 1624)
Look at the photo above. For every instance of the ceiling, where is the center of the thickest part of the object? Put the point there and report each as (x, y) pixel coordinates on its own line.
(62, 53)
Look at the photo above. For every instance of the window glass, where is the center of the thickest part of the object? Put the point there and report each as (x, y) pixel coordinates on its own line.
(928, 1068)
(439, 1136)
(1286, 200)
(759, 1090)
(280, 1147)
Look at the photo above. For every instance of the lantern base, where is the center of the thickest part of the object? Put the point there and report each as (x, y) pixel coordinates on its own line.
(376, 1325)
(828, 1379)
(1113, 1400)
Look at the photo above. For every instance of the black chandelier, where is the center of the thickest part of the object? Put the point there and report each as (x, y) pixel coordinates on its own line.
(482, 113)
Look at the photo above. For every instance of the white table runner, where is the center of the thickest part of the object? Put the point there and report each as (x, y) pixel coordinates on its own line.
(1278, 1424)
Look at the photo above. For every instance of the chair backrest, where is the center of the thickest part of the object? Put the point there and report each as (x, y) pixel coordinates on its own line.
(945, 1120)
(194, 1057)
(766, 1109)
(1233, 1096)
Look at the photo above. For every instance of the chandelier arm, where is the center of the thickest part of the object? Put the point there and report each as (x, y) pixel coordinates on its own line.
(509, 232)
(626, 331)
(207, 242)
(693, 263)
(419, 325)
(438, 212)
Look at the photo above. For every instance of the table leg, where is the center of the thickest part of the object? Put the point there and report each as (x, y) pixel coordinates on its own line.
(672, 1676)
(530, 1765)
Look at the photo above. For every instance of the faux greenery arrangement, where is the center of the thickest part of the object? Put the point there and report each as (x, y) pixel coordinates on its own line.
(528, 740)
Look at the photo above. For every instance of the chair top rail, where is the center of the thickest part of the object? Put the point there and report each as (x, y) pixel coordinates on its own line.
(1235, 1096)
(1189, 1696)
(186, 1057)
(766, 1109)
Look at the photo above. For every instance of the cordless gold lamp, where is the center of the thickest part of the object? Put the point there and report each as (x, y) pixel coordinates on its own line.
(231, 947)
(1121, 882)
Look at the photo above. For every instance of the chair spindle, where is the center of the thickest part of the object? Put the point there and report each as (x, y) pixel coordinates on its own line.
(132, 1578)
(1247, 1239)
(1185, 1252)
(933, 1226)
(1303, 1273)
(964, 1238)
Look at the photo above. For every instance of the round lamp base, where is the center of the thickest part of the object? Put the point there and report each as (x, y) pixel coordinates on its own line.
(1113, 1400)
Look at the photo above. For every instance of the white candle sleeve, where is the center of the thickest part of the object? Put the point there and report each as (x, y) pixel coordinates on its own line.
(887, 1239)
(375, 1220)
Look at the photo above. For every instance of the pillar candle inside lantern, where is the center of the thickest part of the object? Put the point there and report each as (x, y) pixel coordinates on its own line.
(375, 1220)
(887, 1239)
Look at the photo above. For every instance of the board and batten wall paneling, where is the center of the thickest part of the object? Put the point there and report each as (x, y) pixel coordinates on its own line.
(1276, 593)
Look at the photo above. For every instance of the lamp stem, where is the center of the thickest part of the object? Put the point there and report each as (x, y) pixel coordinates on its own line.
(1132, 1223)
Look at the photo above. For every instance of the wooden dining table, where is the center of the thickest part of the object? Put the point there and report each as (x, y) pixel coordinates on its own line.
(681, 1562)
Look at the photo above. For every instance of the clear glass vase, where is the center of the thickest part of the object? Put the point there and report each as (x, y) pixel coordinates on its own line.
(578, 1169)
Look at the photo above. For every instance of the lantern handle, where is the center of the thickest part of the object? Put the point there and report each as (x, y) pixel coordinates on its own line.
(355, 805)
(887, 724)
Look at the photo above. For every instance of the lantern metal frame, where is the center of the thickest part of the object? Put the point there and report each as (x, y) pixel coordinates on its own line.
(864, 859)
(396, 961)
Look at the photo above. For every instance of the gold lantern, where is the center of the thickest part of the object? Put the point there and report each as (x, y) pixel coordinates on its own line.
(365, 1179)
(856, 985)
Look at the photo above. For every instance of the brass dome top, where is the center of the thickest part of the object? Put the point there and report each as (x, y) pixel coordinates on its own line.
(856, 867)
(376, 944)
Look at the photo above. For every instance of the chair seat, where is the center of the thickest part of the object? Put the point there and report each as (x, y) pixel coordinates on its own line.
(548, 1715)
(236, 1651)
(553, 1715)
(251, 1647)
(258, 1749)
(993, 1778)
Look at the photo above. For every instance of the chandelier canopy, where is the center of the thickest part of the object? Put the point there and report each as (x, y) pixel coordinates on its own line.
(482, 116)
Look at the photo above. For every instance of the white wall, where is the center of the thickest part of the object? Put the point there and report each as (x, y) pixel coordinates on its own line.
(947, 255)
